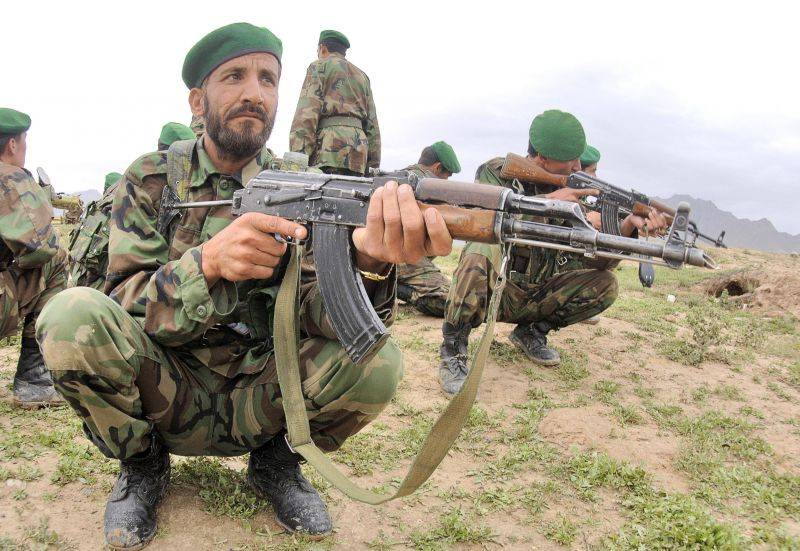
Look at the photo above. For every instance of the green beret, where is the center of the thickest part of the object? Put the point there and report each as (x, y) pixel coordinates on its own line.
(447, 157)
(590, 156)
(557, 135)
(13, 122)
(224, 44)
(174, 131)
(111, 179)
(333, 35)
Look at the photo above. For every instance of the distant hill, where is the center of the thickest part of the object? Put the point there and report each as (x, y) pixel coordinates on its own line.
(760, 235)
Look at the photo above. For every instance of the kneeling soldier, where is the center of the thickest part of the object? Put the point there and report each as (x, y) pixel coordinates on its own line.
(178, 357)
(422, 284)
(546, 289)
(32, 264)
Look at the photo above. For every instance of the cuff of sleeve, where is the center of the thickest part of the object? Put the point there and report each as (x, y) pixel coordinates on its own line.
(383, 296)
(200, 302)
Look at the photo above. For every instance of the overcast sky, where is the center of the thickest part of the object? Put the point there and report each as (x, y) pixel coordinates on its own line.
(680, 97)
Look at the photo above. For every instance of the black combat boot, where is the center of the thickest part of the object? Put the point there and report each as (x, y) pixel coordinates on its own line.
(532, 340)
(453, 351)
(273, 472)
(130, 519)
(33, 384)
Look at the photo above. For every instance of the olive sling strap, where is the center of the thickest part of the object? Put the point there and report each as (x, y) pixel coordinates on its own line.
(437, 443)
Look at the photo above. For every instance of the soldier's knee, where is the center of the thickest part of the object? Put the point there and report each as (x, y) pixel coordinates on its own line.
(608, 285)
(383, 373)
(75, 307)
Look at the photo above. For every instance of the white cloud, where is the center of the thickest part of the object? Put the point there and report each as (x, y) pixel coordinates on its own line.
(699, 83)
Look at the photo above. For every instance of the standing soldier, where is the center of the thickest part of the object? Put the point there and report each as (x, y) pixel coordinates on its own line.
(546, 289)
(172, 132)
(32, 264)
(335, 123)
(179, 357)
(422, 284)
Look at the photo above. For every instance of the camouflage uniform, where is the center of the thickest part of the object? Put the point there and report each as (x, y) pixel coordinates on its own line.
(164, 352)
(543, 285)
(198, 125)
(335, 123)
(423, 285)
(88, 244)
(32, 264)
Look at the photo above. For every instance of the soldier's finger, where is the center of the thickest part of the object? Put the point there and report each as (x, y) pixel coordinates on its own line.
(439, 242)
(586, 192)
(272, 224)
(392, 221)
(413, 224)
(259, 258)
(373, 236)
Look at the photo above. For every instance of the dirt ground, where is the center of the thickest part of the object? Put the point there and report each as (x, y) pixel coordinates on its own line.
(673, 424)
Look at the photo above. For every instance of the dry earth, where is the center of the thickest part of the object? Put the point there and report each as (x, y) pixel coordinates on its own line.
(672, 425)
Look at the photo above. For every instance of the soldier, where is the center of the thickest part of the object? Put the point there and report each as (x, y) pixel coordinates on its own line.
(546, 289)
(335, 123)
(589, 159)
(178, 358)
(198, 125)
(172, 132)
(423, 285)
(32, 264)
(88, 243)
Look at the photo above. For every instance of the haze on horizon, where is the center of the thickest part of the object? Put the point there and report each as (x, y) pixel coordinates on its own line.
(680, 97)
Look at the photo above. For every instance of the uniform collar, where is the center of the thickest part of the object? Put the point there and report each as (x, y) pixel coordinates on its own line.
(204, 167)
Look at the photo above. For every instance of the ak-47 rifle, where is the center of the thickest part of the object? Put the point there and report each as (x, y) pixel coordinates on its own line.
(334, 205)
(612, 201)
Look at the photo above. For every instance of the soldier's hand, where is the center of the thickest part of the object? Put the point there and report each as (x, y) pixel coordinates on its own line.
(247, 249)
(397, 230)
(570, 194)
(655, 224)
(595, 220)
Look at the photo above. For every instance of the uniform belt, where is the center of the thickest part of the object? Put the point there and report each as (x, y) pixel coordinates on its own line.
(353, 122)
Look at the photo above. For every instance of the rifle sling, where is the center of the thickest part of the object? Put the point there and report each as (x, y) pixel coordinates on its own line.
(441, 437)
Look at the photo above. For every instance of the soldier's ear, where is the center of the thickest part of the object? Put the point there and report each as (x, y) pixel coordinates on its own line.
(196, 103)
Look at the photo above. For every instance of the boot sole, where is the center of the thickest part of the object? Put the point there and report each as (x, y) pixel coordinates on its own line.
(37, 405)
(537, 361)
(289, 529)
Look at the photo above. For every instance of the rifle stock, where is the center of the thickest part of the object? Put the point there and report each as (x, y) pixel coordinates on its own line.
(524, 169)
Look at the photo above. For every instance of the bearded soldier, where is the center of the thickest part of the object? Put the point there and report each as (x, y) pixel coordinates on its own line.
(422, 284)
(179, 357)
(335, 123)
(32, 264)
(546, 289)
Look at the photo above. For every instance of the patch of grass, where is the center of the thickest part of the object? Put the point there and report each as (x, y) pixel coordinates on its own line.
(673, 522)
(81, 462)
(591, 470)
(454, 527)
(573, 368)
(365, 451)
(42, 534)
(223, 491)
(627, 415)
(496, 499)
(700, 394)
(729, 392)
(665, 415)
(562, 530)
(779, 391)
(605, 390)
(28, 473)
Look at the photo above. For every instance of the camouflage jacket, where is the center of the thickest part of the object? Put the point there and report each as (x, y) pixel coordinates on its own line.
(158, 278)
(533, 265)
(420, 171)
(28, 237)
(334, 87)
(88, 244)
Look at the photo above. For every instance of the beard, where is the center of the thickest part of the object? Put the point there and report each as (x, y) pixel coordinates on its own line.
(233, 143)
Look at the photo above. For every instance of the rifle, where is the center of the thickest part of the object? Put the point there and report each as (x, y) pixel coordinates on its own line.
(334, 205)
(612, 199)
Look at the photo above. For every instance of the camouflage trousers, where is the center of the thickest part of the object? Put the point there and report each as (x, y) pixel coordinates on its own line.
(564, 299)
(125, 386)
(24, 293)
(423, 286)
